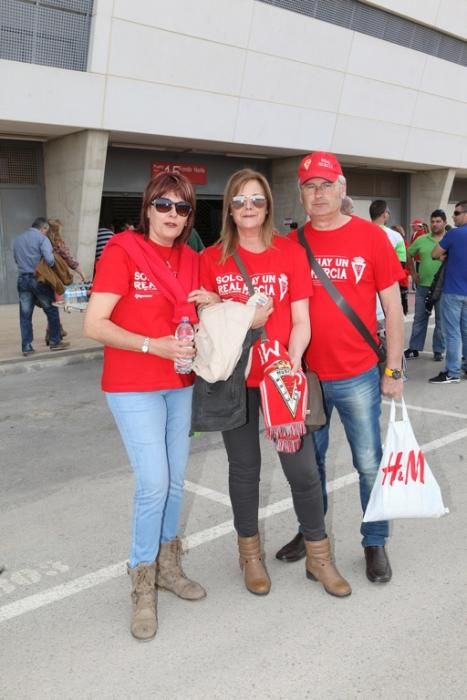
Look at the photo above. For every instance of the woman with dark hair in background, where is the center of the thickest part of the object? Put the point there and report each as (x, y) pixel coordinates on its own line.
(139, 296)
(54, 234)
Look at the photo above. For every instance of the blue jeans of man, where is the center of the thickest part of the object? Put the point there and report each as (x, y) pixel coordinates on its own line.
(454, 310)
(31, 291)
(358, 403)
(154, 427)
(420, 324)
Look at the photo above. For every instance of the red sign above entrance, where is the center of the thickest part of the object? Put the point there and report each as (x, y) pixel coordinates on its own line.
(196, 174)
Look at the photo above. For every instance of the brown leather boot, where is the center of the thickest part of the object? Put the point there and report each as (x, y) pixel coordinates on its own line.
(320, 567)
(170, 575)
(256, 577)
(143, 596)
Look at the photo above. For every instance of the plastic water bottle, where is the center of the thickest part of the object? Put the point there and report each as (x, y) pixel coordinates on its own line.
(185, 332)
(72, 294)
(83, 297)
(67, 296)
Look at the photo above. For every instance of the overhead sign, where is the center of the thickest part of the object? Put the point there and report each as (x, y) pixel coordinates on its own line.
(196, 174)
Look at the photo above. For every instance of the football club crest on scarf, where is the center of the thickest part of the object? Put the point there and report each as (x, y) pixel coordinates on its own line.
(284, 397)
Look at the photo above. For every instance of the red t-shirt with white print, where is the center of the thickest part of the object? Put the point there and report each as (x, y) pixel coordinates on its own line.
(141, 309)
(281, 272)
(360, 261)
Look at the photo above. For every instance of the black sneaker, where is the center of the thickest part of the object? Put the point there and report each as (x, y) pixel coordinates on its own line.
(29, 351)
(409, 353)
(444, 378)
(437, 356)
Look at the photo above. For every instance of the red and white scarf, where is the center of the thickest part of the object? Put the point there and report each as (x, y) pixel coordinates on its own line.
(284, 397)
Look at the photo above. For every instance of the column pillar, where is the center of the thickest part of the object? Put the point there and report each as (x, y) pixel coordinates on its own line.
(74, 168)
(284, 185)
(430, 190)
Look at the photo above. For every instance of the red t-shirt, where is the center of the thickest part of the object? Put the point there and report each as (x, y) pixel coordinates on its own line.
(281, 272)
(141, 309)
(360, 261)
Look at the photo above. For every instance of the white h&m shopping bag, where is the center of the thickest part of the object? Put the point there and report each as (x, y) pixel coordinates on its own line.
(405, 486)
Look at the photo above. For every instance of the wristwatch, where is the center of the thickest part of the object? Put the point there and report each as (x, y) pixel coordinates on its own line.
(145, 345)
(394, 373)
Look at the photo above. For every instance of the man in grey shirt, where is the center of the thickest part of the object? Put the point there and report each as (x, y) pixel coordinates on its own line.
(29, 247)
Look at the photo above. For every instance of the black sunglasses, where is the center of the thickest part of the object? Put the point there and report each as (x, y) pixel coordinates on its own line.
(458, 213)
(164, 205)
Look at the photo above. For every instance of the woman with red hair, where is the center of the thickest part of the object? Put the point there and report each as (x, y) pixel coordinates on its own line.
(139, 295)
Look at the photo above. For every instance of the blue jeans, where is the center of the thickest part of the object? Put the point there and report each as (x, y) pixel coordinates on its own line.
(154, 427)
(30, 291)
(420, 324)
(358, 403)
(454, 310)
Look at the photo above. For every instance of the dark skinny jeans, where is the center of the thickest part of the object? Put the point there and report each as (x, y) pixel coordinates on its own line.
(300, 469)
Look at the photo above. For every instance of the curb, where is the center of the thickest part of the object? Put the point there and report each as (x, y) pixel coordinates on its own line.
(69, 357)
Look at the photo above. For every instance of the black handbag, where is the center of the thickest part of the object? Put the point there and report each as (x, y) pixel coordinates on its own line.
(222, 405)
(436, 288)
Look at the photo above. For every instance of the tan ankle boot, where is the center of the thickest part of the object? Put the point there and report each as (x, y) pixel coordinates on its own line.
(320, 567)
(143, 596)
(256, 577)
(170, 575)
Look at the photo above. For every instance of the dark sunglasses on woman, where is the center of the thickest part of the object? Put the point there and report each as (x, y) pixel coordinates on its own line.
(164, 205)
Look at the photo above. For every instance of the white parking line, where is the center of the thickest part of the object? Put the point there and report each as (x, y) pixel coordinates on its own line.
(207, 493)
(53, 595)
(437, 411)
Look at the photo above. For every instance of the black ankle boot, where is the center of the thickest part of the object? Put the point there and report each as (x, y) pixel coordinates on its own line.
(293, 550)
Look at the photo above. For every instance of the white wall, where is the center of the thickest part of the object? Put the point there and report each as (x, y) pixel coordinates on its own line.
(248, 73)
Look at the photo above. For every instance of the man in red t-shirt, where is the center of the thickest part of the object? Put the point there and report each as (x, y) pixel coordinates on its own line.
(360, 261)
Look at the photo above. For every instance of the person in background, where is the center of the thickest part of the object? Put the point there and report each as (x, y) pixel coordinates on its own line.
(347, 207)
(126, 225)
(139, 296)
(404, 283)
(379, 215)
(418, 228)
(54, 234)
(279, 269)
(28, 249)
(104, 234)
(195, 242)
(454, 297)
(422, 248)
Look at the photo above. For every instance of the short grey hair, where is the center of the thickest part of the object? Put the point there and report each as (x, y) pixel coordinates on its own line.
(347, 206)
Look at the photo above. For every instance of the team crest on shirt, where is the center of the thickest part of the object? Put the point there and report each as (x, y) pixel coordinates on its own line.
(283, 285)
(358, 267)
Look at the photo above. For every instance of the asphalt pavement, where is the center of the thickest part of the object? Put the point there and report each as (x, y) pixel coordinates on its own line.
(65, 509)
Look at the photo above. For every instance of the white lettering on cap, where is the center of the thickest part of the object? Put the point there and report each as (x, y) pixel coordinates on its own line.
(307, 163)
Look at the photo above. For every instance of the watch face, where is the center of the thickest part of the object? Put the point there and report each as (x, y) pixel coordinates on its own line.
(396, 374)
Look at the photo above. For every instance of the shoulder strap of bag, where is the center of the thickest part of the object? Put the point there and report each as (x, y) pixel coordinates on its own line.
(248, 282)
(338, 299)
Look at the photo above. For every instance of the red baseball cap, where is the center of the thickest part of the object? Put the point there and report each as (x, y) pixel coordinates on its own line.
(417, 222)
(319, 164)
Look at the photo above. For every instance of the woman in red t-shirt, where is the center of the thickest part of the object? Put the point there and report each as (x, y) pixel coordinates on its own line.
(279, 270)
(139, 294)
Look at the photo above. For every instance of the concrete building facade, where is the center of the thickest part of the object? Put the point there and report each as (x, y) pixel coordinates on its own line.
(99, 92)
